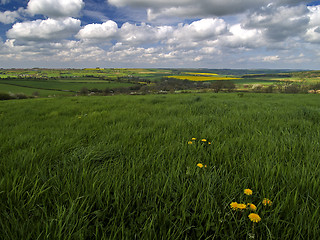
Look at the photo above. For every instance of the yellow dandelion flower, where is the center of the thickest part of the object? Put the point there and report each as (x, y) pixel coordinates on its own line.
(248, 191)
(205, 165)
(242, 206)
(200, 165)
(193, 139)
(234, 205)
(254, 217)
(266, 202)
(203, 140)
(209, 143)
(190, 142)
(252, 207)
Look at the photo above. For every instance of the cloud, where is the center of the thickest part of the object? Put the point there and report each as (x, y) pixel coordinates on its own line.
(271, 58)
(204, 8)
(49, 29)
(55, 8)
(203, 29)
(9, 17)
(143, 34)
(129, 34)
(314, 14)
(133, 35)
(279, 23)
(241, 38)
(313, 32)
(104, 31)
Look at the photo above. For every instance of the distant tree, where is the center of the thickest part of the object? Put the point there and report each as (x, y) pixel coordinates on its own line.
(257, 87)
(6, 96)
(84, 91)
(268, 89)
(35, 94)
(218, 86)
(315, 86)
(292, 88)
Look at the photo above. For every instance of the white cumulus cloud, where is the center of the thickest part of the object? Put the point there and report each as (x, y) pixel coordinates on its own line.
(8, 17)
(49, 29)
(142, 34)
(200, 30)
(243, 38)
(104, 31)
(271, 58)
(55, 8)
(313, 32)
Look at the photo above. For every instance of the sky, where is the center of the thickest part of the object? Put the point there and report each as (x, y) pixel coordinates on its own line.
(248, 34)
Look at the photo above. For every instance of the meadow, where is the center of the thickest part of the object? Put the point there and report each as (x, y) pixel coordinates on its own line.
(127, 167)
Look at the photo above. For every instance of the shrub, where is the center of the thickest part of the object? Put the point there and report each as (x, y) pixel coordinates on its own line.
(217, 86)
(35, 94)
(292, 88)
(268, 89)
(6, 96)
(84, 91)
(21, 96)
(257, 87)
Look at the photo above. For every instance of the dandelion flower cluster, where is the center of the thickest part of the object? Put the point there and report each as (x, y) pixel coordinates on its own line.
(266, 202)
(242, 206)
(234, 205)
(254, 217)
(252, 207)
(200, 165)
(238, 206)
(203, 141)
(247, 191)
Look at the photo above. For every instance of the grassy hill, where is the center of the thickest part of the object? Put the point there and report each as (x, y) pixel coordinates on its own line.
(126, 167)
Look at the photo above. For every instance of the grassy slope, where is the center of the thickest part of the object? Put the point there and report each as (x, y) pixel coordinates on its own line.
(120, 167)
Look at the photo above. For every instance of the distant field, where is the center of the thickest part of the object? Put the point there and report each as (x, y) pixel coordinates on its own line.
(29, 91)
(202, 79)
(204, 74)
(60, 85)
(100, 78)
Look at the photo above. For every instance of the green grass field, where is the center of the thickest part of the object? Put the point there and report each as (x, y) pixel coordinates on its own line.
(29, 91)
(71, 86)
(120, 167)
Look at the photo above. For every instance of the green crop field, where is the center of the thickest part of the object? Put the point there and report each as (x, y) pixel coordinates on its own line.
(71, 86)
(126, 167)
(29, 91)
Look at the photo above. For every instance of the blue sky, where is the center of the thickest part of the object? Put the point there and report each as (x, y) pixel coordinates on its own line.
(160, 33)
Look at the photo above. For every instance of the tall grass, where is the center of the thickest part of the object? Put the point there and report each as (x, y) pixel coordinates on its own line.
(121, 167)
